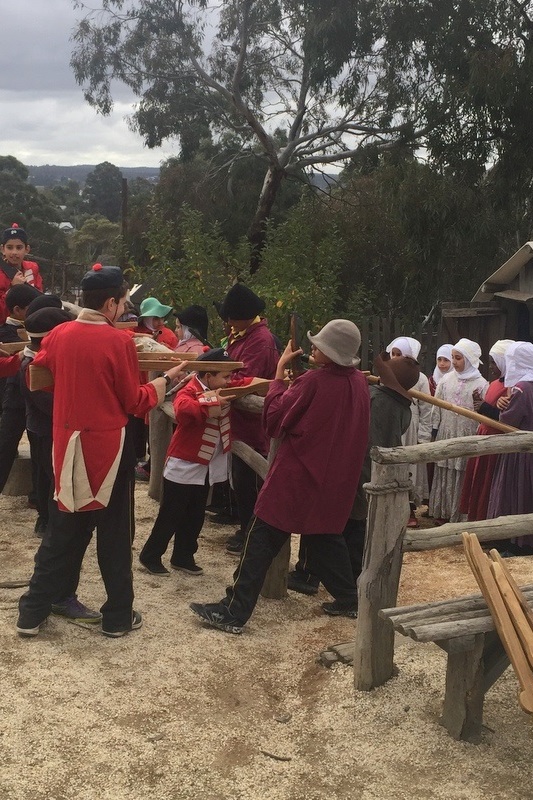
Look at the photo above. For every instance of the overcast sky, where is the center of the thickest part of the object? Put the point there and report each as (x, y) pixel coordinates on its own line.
(45, 119)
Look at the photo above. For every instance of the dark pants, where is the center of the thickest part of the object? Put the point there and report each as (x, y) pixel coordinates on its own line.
(354, 536)
(246, 485)
(43, 475)
(181, 514)
(59, 558)
(327, 556)
(12, 426)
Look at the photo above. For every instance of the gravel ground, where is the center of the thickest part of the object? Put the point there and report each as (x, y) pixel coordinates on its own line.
(179, 711)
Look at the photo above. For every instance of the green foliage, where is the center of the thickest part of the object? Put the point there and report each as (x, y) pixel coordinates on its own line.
(302, 260)
(22, 203)
(103, 191)
(96, 237)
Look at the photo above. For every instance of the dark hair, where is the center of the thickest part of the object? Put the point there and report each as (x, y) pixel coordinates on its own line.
(95, 298)
(21, 295)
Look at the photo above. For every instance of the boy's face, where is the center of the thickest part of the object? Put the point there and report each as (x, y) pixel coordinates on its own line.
(217, 380)
(19, 313)
(14, 252)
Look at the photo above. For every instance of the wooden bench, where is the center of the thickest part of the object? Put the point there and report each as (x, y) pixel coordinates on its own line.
(464, 629)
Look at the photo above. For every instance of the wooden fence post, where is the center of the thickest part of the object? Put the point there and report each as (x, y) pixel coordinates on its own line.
(388, 512)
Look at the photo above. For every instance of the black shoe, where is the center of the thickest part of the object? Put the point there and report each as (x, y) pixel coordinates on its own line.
(336, 609)
(136, 623)
(216, 615)
(236, 538)
(235, 549)
(154, 567)
(297, 584)
(190, 567)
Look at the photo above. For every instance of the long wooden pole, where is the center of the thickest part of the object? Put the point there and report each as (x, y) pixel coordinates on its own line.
(464, 412)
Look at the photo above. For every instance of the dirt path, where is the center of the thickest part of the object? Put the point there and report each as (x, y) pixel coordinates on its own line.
(178, 711)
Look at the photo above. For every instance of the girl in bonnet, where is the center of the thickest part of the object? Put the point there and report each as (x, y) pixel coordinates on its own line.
(512, 484)
(419, 430)
(462, 386)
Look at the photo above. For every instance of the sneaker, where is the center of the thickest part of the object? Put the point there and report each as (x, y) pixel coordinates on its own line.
(72, 609)
(191, 568)
(235, 548)
(26, 630)
(236, 538)
(136, 623)
(336, 609)
(298, 584)
(154, 567)
(216, 615)
(141, 474)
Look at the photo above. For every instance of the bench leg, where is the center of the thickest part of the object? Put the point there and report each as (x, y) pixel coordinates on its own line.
(462, 713)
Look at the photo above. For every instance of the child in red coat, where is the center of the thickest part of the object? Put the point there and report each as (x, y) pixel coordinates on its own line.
(14, 268)
(197, 457)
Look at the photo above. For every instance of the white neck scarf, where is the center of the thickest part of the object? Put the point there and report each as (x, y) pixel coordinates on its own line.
(518, 363)
(444, 351)
(406, 345)
(497, 353)
(471, 353)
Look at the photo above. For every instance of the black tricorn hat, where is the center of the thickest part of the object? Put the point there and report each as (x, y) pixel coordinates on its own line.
(100, 277)
(241, 303)
(195, 318)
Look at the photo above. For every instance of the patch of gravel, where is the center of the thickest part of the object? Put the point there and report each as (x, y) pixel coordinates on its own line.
(176, 711)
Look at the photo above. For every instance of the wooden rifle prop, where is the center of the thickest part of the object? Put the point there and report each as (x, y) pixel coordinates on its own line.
(388, 378)
(42, 378)
(296, 325)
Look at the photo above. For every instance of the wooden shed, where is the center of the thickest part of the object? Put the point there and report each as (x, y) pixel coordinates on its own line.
(502, 307)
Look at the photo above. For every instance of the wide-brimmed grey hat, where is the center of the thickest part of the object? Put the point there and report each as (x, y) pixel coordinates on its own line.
(340, 341)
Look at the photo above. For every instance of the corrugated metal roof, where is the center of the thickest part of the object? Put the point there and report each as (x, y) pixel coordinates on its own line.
(505, 274)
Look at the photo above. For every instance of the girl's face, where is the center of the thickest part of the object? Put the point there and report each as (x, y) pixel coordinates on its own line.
(458, 361)
(494, 372)
(319, 357)
(443, 364)
(395, 353)
(157, 323)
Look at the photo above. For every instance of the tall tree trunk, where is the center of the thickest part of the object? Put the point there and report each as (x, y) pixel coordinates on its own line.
(257, 229)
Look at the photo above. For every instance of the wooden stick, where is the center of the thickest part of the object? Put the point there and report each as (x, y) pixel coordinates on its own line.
(479, 564)
(518, 592)
(464, 412)
(143, 355)
(12, 347)
(515, 610)
(42, 378)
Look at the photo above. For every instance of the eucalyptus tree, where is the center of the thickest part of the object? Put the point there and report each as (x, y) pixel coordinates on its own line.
(332, 74)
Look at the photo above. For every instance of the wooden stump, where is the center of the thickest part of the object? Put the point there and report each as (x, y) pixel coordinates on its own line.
(388, 512)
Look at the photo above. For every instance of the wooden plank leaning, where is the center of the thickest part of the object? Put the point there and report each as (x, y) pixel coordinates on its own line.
(480, 565)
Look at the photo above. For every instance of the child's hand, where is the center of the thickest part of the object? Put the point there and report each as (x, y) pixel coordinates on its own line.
(285, 358)
(18, 278)
(226, 399)
(176, 373)
(503, 402)
(477, 398)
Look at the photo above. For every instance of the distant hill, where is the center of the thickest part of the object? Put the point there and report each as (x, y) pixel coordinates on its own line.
(51, 175)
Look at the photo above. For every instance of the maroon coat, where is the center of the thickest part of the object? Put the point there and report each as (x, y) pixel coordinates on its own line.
(323, 422)
(257, 350)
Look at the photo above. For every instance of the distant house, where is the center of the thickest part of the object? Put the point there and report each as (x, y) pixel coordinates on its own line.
(502, 307)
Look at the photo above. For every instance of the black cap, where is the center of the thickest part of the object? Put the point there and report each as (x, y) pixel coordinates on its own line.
(15, 232)
(100, 277)
(44, 301)
(195, 318)
(44, 320)
(241, 303)
(215, 354)
(21, 295)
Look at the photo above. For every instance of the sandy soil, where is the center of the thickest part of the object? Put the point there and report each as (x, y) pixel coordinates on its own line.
(179, 711)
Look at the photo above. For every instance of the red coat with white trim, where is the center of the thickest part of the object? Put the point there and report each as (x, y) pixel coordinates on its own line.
(31, 273)
(96, 386)
(196, 434)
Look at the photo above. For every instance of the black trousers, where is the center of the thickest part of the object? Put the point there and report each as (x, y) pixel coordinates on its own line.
(246, 485)
(43, 474)
(59, 558)
(12, 426)
(181, 515)
(327, 554)
(354, 536)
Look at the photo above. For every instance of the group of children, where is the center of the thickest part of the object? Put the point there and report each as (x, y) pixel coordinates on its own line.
(325, 422)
